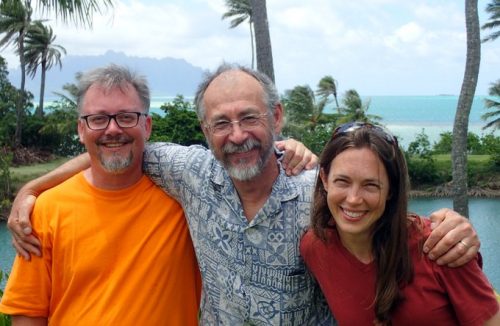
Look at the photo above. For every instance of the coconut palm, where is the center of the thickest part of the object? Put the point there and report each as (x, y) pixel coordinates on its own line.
(328, 86)
(40, 51)
(461, 123)
(240, 11)
(79, 11)
(493, 103)
(353, 109)
(493, 9)
(15, 19)
(262, 38)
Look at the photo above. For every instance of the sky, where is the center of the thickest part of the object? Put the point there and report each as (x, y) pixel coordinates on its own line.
(378, 47)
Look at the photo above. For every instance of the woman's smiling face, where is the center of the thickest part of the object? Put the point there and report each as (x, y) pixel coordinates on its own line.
(357, 189)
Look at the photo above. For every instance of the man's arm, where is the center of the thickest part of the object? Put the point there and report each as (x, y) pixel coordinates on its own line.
(453, 240)
(297, 157)
(24, 242)
(19, 224)
(28, 321)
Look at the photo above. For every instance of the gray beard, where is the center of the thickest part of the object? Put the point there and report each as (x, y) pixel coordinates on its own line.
(249, 172)
(116, 164)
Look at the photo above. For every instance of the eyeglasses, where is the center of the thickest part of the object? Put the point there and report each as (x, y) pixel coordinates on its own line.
(122, 119)
(380, 131)
(225, 127)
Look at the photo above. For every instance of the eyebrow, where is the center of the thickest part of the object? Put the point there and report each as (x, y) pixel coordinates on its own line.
(245, 112)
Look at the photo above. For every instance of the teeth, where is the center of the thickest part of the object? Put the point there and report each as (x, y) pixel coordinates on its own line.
(113, 145)
(353, 214)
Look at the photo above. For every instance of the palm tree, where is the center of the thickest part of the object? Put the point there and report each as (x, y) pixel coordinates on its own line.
(494, 104)
(262, 38)
(241, 11)
(40, 51)
(354, 109)
(493, 9)
(461, 123)
(79, 11)
(15, 19)
(328, 86)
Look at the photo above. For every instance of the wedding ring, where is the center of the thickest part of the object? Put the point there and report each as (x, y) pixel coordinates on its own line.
(464, 244)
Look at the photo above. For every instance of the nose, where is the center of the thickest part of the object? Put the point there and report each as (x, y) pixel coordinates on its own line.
(354, 195)
(113, 127)
(237, 134)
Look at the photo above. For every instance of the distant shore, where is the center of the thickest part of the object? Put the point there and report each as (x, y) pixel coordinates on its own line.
(492, 190)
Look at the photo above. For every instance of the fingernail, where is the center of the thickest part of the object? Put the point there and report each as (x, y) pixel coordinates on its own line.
(27, 230)
(426, 249)
(431, 257)
(433, 225)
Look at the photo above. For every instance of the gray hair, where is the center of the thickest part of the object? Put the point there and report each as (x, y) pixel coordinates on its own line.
(110, 77)
(271, 96)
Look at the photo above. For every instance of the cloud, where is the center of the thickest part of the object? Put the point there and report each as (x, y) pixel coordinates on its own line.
(375, 46)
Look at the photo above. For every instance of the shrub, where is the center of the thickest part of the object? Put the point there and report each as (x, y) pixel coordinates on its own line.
(4, 319)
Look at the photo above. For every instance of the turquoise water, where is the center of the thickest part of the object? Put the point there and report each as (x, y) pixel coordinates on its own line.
(484, 217)
(406, 116)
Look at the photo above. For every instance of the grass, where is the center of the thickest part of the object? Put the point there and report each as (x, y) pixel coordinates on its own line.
(22, 174)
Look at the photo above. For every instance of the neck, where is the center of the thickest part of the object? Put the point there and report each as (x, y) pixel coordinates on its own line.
(254, 193)
(102, 179)
(358, 245)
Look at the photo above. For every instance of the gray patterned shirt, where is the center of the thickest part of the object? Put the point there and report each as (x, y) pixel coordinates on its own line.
(252, 271)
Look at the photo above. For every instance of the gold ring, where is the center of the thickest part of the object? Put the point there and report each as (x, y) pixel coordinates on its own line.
(464, 243)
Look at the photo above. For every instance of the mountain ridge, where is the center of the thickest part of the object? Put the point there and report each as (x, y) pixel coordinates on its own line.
(166, 76)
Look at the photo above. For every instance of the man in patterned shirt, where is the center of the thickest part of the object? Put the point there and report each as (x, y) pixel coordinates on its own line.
(245, 215)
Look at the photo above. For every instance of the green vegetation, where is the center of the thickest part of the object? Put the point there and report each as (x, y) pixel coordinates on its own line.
(179, 125)
(22, 174)
(4, 319)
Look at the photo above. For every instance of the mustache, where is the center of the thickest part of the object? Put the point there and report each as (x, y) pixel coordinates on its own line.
(114, 139)
(246, 146)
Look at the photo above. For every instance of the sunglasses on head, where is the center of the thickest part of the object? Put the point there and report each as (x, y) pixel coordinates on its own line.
(352, 126)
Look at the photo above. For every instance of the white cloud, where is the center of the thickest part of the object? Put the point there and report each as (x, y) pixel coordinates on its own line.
(375, 46)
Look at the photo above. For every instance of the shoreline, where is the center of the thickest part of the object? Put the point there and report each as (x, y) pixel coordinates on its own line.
(445, 191)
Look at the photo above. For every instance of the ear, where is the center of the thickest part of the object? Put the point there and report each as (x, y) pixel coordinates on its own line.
(148, 126)
(205, 130)
(278, 118)
(324, 179)
(81, 130)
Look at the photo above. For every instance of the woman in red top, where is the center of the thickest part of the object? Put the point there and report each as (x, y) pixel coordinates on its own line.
(365, 250)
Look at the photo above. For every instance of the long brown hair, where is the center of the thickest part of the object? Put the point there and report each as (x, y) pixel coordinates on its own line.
(390, 236)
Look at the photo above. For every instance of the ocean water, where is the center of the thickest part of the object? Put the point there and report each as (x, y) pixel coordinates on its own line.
(407, 116)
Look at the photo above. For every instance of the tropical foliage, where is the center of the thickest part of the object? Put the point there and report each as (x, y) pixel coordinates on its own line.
(8, 99)
(4, 319)
(15, 20)
(40, 51)
(78, 11)
(179, 125)
(240, 11)
(307, 120)
(493, 23)
(493, 105)
(353, 109)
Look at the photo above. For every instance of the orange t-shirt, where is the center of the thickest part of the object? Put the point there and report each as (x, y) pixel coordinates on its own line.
(109, 258)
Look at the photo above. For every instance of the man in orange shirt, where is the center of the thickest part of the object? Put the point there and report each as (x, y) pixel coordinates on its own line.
(116, 248)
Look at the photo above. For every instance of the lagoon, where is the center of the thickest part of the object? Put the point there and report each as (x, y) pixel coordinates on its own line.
(406, 116)
(484, 216)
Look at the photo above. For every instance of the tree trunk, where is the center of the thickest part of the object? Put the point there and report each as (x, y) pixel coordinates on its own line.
(461, 124)
(252, 43)
(262, 38)
(20, 100)
(39, 110)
